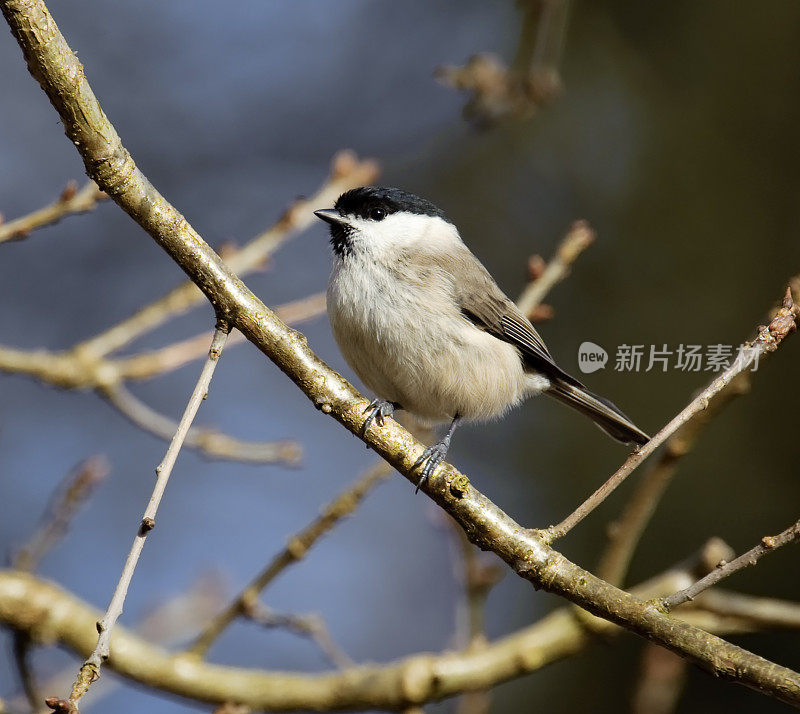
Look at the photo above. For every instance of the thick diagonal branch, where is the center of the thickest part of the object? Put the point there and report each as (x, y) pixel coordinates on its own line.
(61, 75)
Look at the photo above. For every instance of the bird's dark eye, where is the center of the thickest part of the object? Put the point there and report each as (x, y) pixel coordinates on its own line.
(377, 214)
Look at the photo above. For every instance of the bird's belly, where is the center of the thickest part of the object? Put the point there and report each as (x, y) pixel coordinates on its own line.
(424, 355)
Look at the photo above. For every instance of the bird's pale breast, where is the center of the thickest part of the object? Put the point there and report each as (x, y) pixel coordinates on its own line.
(415, 348)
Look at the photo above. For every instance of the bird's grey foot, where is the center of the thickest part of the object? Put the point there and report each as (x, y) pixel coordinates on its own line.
(430, 459)
(434, 455)
(379, 409)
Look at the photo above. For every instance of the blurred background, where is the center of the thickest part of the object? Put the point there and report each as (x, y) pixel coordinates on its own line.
(675, 137)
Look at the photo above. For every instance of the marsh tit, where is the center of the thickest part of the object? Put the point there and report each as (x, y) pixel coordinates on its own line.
(425, 327)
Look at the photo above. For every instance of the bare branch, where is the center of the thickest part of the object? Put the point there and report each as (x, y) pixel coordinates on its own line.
(579, 237)
(211, 442)
(532, 81)
(231, 708)
(767, 341)
(311, 626)
(169, 624)
(52, 62)
(75, 369)
(625, 532)
(296, 548)
(725, 569)
(21, 650)
(760, 612)
(73, 492)
(178, 354)
(347, 171)
(70, 201)
(479, 577)
(47, 613)
(90, 671)
(663, 673)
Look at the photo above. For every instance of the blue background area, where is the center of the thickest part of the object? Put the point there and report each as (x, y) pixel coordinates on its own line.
(676, 138)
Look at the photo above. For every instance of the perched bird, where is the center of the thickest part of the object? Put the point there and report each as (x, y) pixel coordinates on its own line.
(425, 327)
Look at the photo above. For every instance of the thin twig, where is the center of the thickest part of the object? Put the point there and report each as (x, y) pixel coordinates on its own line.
(70, 201)
(168, 625)
(90, 670)
(296, 548)
(77, 369)
(347, 171)
(624, 533)
(725, 569)
(578, 238)
(71, 494)
(311, 626)
(767, 341)
(211, 442)
(165, 359)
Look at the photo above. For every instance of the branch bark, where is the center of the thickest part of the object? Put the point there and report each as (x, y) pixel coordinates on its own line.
(61, 75)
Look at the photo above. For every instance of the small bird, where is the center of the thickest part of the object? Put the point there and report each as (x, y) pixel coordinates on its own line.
(427, 329)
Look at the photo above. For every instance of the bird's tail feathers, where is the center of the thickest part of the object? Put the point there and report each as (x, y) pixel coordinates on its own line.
(601, 411)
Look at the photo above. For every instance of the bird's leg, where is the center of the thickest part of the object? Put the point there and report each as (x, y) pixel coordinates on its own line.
(434, 455)
(379, 409)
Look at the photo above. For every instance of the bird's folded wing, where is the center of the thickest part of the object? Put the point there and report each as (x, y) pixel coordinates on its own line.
(487, 307)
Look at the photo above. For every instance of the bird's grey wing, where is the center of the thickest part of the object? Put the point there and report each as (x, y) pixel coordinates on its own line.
(484, 304)
(487, 307)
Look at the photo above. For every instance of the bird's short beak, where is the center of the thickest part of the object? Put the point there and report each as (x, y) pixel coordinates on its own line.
(329, 215)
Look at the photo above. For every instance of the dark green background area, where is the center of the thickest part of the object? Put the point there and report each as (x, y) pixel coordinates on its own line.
(676, 138)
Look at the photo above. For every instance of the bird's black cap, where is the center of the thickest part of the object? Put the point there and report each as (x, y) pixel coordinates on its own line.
(364, 200)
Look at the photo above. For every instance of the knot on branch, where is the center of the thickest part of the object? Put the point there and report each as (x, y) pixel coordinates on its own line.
(784, 321)
(418, 680)
(114, 171)
(458, 485)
